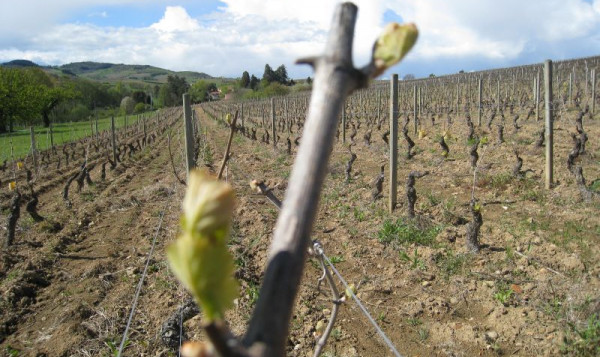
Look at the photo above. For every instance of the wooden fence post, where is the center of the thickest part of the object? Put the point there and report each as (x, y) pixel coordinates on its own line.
(593, 90)
(537, 96)
(570, 87)
(549, 122)
(97, 132)
(144, 127)
(189, 134)
(273, 126)
(497, 94)
(34, 151)
(51, 136)
(479, 84)
(378, 106)
(457, 95)
(114, 139)
(393, 142)
(415, 109)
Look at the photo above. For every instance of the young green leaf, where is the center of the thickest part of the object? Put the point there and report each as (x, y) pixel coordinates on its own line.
(393, 44)
(199, 257)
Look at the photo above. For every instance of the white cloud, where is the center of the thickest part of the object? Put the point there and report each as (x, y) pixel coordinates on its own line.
(495, 29)
(176, 19)
(246, 34)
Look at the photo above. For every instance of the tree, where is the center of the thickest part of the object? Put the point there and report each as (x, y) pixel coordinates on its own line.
(127, 105)
(30, 94)
(15, 87)
(93, 94)
(139, 108)
(245, 80)
(281, 75)
(254, 82)
(51, 97)
(308, 80)
(171, 93)
(268, 75)
(275, 89)
(139, 96)
(408, 76)
(200, 90)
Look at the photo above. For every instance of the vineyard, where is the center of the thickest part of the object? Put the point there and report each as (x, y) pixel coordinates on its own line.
(85, 233)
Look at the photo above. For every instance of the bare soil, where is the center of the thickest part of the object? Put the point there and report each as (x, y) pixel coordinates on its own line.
(67, 283)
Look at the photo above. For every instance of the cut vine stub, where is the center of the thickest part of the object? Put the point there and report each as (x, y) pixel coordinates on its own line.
(13, 217)
(411, 192)
(376, 193)
(473, 154)
(473, 228)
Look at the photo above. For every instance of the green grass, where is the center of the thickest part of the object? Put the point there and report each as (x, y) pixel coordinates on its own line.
(415, 261)
(12, 352)
(414, 321)
(584, 340)
(500, 181)
(61, 132)
(503, 293)
(407, 232)
(450, 264)
(336, 259)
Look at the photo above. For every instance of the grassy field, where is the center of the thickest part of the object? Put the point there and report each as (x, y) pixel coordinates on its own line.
(20, 139)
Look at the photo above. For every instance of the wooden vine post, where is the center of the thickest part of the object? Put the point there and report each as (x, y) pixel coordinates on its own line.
(34, 150)
(273, 126)
(144, 127)
(378, 106)
(393, 141)
(114, 139)
(549, 122)
(96, 124)
(498, 94)
(51, 136)
(189, 134)
(242, 113)
(570, 88)
(415, 110)
(91, 127)
(457, 96)
(593, 91)
(537, 96)
(479, 101)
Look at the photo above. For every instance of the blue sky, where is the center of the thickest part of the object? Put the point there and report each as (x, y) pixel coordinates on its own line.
(224, 38)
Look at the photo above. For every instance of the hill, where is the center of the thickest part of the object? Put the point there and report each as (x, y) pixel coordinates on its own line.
(112, 73)
(20, 63)
(109, 72)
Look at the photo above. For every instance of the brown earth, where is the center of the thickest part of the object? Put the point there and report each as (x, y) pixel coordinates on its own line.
(68, 283)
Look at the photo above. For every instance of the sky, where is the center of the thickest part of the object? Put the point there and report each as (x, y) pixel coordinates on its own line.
(224, 38)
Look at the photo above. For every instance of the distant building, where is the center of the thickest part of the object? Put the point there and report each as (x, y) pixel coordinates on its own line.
(214, 95)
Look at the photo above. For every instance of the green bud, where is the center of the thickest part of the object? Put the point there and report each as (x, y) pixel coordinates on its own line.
(393, 44)
(199, 257)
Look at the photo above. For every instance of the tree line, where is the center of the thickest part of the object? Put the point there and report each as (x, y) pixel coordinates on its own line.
(33, 96)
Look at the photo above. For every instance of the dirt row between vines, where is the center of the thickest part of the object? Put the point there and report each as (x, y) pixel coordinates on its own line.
(69, 292)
